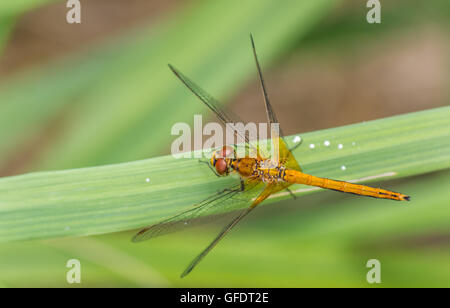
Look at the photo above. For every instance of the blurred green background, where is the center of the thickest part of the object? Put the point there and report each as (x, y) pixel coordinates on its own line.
(100, 92)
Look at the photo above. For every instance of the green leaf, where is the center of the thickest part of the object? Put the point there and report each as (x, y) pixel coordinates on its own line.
(317, 240)
(130, 195)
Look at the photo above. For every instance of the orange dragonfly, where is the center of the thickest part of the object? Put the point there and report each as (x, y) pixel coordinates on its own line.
(256, 181)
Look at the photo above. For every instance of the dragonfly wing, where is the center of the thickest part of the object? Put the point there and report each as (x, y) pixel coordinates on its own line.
(271, 117)
(268, 190)
(285, 156)
(225, 116)
(200, 213)
(287, 159)
(222, 233)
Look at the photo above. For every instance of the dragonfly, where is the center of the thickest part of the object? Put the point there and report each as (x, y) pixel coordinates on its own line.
(256, 181)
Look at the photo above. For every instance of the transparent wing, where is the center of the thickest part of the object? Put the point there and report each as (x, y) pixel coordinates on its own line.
(268, 190)
(271, 117)
(224, 116)
(225, 201)
(216, 240)
(285, 157)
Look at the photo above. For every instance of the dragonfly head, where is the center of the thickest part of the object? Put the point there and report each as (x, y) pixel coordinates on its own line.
(221, 160)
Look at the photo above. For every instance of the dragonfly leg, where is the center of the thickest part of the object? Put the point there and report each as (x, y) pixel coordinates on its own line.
(209, 166)
(242, 184)
(291, 193)
(295, 147)
(241, 187)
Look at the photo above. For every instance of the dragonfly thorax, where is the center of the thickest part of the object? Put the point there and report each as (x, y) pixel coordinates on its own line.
(270, 173)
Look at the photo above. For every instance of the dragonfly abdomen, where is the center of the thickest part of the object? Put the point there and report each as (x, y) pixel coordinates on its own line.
(293, 176)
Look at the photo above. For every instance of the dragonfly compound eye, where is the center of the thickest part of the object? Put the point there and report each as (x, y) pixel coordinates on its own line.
(221, 166)
(226, 152)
